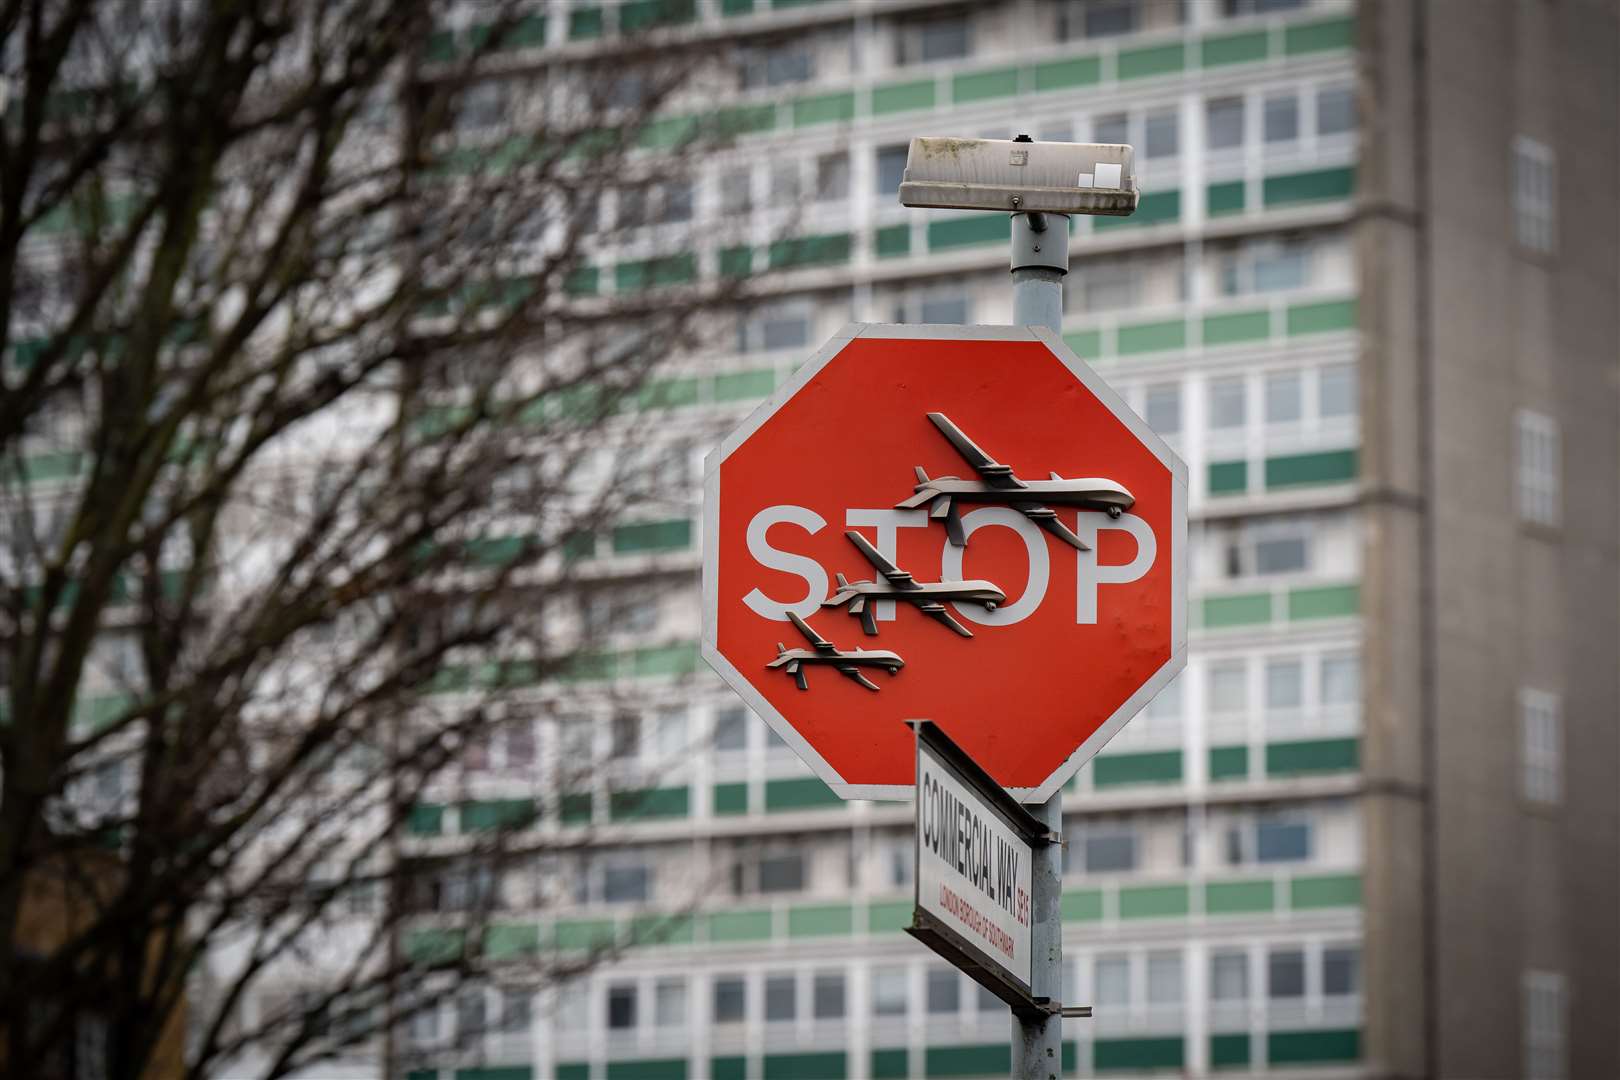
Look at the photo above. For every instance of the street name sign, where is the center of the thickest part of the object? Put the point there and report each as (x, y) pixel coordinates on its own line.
(975, 868)
(964, 523)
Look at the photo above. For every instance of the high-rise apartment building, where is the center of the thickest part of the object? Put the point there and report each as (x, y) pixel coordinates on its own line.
(1370, 297)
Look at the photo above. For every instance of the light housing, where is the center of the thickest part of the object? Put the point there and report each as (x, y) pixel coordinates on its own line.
(1010, 175)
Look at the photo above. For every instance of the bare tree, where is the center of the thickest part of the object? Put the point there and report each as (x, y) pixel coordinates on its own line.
(313, 387)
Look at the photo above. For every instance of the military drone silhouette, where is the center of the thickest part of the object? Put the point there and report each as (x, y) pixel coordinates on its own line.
(927, 597)
(847, 664)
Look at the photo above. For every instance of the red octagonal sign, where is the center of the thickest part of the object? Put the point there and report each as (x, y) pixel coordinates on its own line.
(961, 524)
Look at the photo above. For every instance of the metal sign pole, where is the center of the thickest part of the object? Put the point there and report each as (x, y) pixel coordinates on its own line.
(1040, 260)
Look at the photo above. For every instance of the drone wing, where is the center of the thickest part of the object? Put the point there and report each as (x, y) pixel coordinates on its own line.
(853, 672)
(938, 612)
(1047, 519)
(822, 644)
(892, 573)
(990, 471)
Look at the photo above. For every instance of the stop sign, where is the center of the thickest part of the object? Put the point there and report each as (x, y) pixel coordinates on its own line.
(959, 524)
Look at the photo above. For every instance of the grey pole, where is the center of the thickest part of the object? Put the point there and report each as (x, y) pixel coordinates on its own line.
(1040, 259)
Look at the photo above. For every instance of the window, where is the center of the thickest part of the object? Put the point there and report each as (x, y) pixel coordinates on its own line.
(621, 1007)
(944, 990)
(1112, 974)
(1162, 408)
(1335, 111)
(517, 1010)
(785, 183)
(730, 999)
(827, 995)
(1164, 978)
(1544, 1027)
(737, 190)
(987, 1002)
(1285, 397)
(731, 730)
(675, 201)
(891, 168)
(1534, 195)
(1223, 123)
(1161, 134)
(1228, 687)
(1341, 679)
(1226, 403)
(1101, 848)
(1285, 684)
(1336, 391)
(1097, 18)
(1281, 118)
(781, 873)
(937, 306)
(935, 39)
(626, 732)
(1282, 551)
(670, 733)
(832, 177)
(1111, 128)
(1341, 971)
(889, 991)
(777, 65)
(1285, 974)
(425, 1025)
(1228, 976)
(1279, 841)
(1280, 267)
(775, 326)
(470, 1017)
(669, 1002)
(1230, 8)
(1539, 467)
(626, 883)
(781, 997)
(1541, 739)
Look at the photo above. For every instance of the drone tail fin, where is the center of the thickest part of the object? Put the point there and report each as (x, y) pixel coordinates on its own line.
(922, 474)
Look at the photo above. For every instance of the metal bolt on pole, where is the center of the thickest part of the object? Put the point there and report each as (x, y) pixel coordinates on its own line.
(1040, 260)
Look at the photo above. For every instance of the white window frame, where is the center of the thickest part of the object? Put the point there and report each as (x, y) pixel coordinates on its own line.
(1541, 746)
(1546, 1050)
(1535, 195)
(1538, 456)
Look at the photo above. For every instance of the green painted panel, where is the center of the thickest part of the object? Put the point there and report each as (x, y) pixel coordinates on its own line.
(1086, 344)
(1313, 1047)
(811, 1066)
(821, 920)
(964, 230)
(441, 45)
(736, 261)
(1164, 1054)
(1233, 48)
(1311, 186)
(650, 803)
(992, 1059)
(744, 385)
(663, 661)
(432, 946)
(574, 1070)
(1325, 891)
(1154, 60)
(1323, 317)
(1239, 897)
(649, 1069)
(1242, 610)
(635, 15)
(798, 794)
(728, 1068)
(739, 926)
(584, 23)
(731, 798)
(425, 819)
(822, 250)
(888, 917)
(1070, 1057)
(1315, 37)
(487, 814)
(576, 808)
(1312, 756)
(56, 465)
(736, 7)
(898, 97)
(1229, 1051)
(980, 85)
(1325, 467)
(823, 109)
(655, 273)
(422, 1074)
(663, 929)
(584, 933)
(1155, 767)
(890, 1065)
(1081, 905)
(504, 942)
(1324, 602)
(745, 119)
(1225, 198)
(1152, 337)
(1229, 763)
(1153, 901)
(1228, 477)
(892, 240)
(1235, 326)
(668, 393)
(583, 281)
(1061, 74)
(496, 1072)
(645, 536)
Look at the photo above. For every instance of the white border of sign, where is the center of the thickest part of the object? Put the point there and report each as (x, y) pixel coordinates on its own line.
(807, 371)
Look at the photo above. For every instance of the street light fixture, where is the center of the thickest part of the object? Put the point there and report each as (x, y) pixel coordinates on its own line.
(1020, 176)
